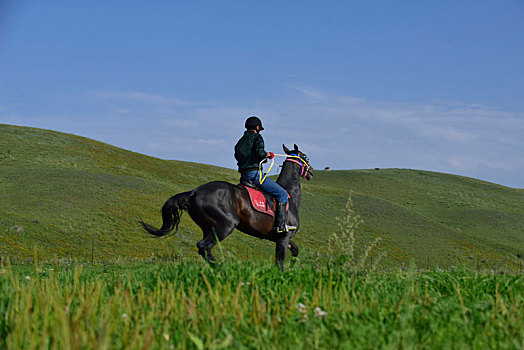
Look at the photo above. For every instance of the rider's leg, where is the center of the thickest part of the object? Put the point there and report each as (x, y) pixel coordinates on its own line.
(280, 218)
(281, 196)
(268, 185)
(275, 190)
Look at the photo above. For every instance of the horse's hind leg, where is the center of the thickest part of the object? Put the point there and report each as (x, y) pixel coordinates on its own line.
(204, 246)
(211, 237)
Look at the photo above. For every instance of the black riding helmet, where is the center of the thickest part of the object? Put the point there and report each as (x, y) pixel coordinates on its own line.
(252, 122)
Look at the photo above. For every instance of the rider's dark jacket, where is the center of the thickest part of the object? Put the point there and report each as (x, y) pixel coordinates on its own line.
(249, 151)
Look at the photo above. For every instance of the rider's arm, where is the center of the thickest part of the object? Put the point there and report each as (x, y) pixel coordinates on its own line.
(259, 148)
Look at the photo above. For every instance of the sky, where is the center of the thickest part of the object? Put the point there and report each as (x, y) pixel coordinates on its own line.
(431, 85)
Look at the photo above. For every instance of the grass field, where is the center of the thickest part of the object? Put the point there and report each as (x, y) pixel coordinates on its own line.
(188, 305)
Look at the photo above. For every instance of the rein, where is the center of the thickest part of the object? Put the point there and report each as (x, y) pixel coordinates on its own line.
(304, 165)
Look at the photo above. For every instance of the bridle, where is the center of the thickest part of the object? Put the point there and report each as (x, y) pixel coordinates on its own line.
(303, 162)
(292, 157)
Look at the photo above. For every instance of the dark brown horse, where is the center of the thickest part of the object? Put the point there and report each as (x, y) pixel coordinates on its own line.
(219, 207)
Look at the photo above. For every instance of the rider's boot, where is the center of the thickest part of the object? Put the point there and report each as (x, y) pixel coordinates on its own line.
(281, 219)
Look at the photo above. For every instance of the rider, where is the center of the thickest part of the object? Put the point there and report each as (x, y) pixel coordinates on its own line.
(249, 152)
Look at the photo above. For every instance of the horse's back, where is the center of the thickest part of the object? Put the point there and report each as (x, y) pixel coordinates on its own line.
(215, 186)
(219, 192)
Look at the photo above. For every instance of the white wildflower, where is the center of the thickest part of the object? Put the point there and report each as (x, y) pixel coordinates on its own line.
(318, 312)
(28, 278)
(301, 308)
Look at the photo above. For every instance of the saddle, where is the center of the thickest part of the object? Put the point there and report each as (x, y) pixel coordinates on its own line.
(260, 200)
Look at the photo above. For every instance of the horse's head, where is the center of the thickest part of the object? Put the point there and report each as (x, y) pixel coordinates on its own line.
(302, 159)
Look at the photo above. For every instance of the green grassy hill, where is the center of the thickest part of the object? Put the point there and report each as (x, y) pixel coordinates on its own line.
(68, 196)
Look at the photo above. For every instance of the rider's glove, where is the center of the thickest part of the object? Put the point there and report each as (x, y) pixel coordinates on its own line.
(270, 155)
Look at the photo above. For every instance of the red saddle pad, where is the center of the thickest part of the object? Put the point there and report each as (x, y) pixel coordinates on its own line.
(259, 202)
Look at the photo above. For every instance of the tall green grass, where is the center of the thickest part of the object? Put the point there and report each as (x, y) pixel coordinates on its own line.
(253, 305)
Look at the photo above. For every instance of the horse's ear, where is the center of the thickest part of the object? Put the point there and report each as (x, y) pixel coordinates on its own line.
(296, 148)
(286, 149)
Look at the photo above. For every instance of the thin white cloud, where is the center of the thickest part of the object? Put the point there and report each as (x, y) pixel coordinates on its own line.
(181, 123)
(145, 98)
(466, 163)
(212, 142)
(450, 134)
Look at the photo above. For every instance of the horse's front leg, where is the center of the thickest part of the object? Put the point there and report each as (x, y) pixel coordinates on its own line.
(281, 249)
(293, 248)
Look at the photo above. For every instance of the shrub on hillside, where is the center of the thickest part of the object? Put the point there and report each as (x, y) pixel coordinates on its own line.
(343, 246)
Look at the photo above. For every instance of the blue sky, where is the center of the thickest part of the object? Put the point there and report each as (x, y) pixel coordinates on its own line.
(434, 85)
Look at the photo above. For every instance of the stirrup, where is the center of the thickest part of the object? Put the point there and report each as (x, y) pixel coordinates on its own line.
(288, 228)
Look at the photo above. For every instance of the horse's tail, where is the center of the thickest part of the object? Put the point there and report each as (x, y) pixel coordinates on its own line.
(171, 213)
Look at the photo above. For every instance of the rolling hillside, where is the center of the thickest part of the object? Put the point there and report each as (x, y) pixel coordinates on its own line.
(66, 196)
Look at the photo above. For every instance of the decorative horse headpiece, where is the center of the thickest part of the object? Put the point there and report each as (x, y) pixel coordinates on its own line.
(299, 158)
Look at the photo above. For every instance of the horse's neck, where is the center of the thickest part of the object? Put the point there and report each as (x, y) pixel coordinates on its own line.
(289, 179)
